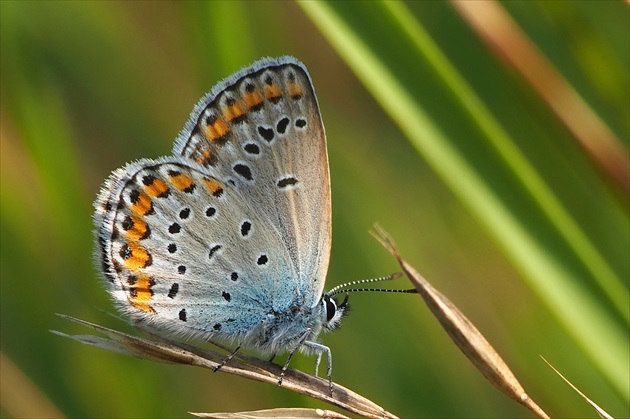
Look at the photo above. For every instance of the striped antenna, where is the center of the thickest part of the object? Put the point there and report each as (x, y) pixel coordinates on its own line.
(341, 289)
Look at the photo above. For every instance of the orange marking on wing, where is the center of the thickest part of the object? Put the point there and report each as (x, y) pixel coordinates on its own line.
(205, 157)
(143, 307)
(182, 181)
(272, 91)
(143, 205)
(233, 111)
(156, 188)
(138, 258)
(253, 99)
(213, 186)
(138, 230)
(294, 89)
(217, 129)
(142, 293)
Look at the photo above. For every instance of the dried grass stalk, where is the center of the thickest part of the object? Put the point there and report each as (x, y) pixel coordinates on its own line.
(465, 335)
(601, 412)
(176, 352)
(289, 413)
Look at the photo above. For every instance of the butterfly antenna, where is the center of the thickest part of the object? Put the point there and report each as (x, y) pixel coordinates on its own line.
(342, 289)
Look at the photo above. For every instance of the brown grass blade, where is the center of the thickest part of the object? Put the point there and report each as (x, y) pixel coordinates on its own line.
(164, 350)
(19, 395)
(289, 413)
(465, 335)
(498, 30)
(601, 412)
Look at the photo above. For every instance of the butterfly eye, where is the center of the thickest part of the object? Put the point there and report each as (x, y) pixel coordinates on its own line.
(331, 308)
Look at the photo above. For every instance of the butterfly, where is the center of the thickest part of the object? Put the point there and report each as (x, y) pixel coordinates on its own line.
(228, 239)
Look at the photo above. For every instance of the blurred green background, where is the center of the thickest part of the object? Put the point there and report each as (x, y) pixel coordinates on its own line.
(88, 86)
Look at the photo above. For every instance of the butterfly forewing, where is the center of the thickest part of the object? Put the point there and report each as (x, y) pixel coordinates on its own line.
(261, 131)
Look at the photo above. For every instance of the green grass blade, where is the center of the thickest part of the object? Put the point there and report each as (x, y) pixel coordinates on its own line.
(358, 41)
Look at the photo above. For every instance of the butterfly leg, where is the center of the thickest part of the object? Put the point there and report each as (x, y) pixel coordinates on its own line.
(320, 349)
(286, 363)
(227, 359)
(317, 362)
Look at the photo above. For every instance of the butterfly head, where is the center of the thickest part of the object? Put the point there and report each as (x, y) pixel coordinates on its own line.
(333, 311)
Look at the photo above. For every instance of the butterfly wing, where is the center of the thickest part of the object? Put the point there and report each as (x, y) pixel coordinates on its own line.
(186, 253)
(233, 227)
(261, 128)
